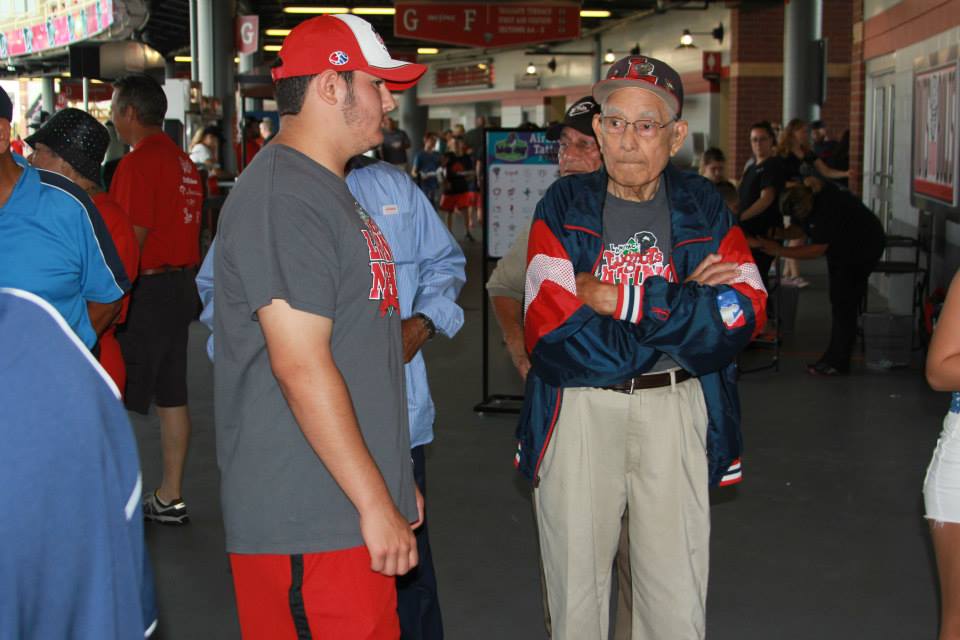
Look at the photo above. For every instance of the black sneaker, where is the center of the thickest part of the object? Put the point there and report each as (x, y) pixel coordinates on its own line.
(174, 513)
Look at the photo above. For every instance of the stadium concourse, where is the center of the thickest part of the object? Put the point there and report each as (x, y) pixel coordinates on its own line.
(824, 535)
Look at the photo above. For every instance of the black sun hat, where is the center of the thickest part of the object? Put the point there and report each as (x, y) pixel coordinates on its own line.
(78, 138)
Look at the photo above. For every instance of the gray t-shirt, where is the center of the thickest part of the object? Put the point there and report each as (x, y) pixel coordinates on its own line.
(290, 230)
(636, 245)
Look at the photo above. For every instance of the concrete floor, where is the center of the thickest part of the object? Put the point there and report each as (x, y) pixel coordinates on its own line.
(824, 537)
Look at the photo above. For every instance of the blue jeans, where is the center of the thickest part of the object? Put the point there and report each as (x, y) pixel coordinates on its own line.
(417, 604)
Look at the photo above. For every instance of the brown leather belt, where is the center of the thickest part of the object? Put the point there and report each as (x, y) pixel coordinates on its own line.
(651, 381)
(164, 269)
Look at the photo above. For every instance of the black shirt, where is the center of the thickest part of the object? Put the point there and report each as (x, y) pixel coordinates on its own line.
(793, 166)
(839, 219)
(459, 178)
(755, 179)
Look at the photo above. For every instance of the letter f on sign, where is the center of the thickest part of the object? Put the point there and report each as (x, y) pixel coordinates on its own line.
(469, 17)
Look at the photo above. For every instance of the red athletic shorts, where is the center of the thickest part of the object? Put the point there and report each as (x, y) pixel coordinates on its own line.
(314, 595)
(451, 201)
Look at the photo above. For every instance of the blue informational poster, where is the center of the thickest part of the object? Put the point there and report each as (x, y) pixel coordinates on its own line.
(520, 166)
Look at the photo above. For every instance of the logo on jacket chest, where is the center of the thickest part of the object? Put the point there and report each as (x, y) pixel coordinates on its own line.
(383, 272)
(633, 261)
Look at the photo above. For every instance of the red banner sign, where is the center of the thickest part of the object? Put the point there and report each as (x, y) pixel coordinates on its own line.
(72, 90)
(248, 34)
(61, 28)
(487, 25)
(464, 76)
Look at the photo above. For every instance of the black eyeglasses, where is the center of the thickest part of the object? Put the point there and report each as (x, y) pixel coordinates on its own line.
(645, 127)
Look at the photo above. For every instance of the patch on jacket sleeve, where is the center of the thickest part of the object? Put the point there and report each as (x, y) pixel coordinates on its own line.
(730, 311)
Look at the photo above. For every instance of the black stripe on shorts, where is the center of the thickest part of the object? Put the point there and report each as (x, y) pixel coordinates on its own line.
(298, 609)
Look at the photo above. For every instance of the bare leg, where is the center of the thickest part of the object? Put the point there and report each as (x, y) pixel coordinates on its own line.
(174, 441)
(449, 215)
(946, 545)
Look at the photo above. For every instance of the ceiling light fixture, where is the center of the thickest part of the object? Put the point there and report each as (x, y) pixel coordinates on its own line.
(373, 11)
(279, 33)
(318, 10)
(272, 47)
(594, 13)
(609, 56)
(531, 69)
(182, 59)
(552, 64)
(686, 40)
(428, 51)
(482, 66)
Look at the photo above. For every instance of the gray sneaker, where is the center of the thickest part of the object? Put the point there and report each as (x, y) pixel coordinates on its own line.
(174, 513)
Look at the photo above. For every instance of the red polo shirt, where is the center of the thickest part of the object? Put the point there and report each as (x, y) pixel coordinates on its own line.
(121, 232)
(159, 188)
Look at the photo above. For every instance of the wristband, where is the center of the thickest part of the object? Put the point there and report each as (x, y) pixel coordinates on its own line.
(629, 303)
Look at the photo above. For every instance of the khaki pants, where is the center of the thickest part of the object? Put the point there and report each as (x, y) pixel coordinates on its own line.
(611, 451)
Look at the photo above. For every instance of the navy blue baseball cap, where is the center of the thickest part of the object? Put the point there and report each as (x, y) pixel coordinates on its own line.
(643, 72)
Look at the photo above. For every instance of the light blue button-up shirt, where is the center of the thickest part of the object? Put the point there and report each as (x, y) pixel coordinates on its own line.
(430, 272)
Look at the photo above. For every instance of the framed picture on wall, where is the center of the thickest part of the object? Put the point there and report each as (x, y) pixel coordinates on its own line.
(935, 170)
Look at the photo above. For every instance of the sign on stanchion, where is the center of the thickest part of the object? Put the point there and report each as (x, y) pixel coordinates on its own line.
(520, 167)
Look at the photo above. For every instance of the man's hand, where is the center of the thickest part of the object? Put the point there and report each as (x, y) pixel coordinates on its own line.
(389, 539)
(518, 355)
(600, 297)
(415, 334)
(713, 271)
(421, 506)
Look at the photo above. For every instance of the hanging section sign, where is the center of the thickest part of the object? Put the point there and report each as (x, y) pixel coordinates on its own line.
(487, 25)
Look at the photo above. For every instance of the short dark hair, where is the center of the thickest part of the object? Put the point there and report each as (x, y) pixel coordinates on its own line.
(713, 154)
(144, 94)
(818, 124)
(728, 192)
(765, 125)
(291, 92)
(797, 202)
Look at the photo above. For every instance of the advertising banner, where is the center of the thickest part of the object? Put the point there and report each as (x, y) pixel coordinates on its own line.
(68, 26)
(934, 174)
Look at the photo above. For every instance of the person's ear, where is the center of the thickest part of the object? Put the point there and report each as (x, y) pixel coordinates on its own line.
(680, 130)
(324, 86)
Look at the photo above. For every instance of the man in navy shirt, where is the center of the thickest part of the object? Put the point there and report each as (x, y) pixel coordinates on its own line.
(72, 562)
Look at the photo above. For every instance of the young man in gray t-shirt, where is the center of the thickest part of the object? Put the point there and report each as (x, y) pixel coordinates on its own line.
(312, 438)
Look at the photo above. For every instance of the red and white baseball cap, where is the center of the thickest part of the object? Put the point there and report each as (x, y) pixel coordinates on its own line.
(342, 42)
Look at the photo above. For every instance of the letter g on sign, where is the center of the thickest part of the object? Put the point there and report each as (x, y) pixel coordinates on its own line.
(410, 20)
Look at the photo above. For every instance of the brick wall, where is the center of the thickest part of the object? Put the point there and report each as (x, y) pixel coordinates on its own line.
(857, 98)
(756, 76)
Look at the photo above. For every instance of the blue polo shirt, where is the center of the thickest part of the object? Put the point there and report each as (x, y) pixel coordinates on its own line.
(53, 243)
(73, 562)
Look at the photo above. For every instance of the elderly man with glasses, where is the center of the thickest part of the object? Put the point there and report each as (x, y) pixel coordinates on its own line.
(640, 293)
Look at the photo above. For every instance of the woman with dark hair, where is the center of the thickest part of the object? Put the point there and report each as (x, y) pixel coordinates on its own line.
(759, 191)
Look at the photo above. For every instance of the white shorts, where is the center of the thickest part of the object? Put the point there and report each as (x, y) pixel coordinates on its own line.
(941, 488)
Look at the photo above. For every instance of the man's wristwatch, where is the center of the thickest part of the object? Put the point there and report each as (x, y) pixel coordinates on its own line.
(428, 323)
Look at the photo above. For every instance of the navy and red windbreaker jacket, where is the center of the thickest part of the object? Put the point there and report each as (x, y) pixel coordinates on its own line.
(702, 328)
